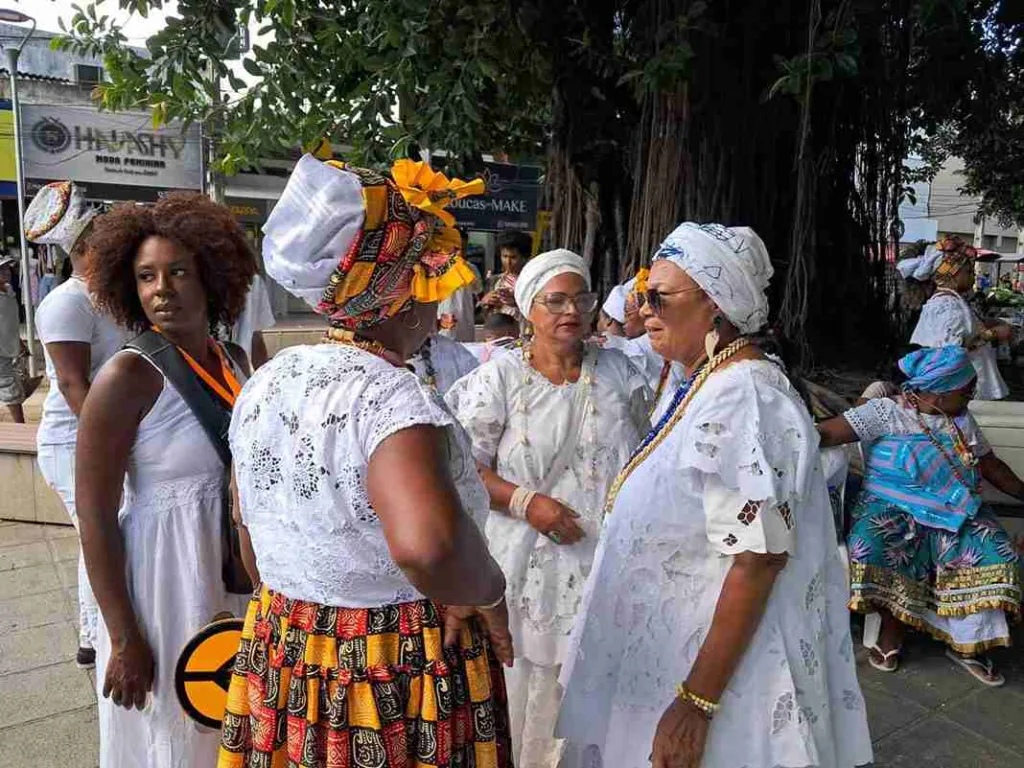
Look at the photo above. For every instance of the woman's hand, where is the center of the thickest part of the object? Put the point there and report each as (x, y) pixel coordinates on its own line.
(130, 673)
(495, 620)
(680, 738)
(1002, 332)
(491, 299)
(555, 520)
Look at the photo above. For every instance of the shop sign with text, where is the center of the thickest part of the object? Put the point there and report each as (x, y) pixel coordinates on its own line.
(86, 145)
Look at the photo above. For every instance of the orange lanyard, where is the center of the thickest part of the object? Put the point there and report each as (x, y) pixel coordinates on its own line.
(225, 370)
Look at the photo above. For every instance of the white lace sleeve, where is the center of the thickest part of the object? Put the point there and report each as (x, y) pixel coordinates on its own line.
(871, 420)
(737, 524)
(974, 434)
(750, 432)
(944, 320)
(392, 402)
(478, 402)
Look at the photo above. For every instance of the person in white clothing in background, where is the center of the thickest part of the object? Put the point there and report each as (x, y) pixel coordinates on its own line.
(456, 315)
(441, 361)
(12, 387)
(77, 340)
(258, 316)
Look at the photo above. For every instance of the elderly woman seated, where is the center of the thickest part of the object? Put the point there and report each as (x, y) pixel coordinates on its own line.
(717, 590)
(924, 551)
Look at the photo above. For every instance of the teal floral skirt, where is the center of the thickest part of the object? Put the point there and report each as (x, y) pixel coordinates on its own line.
(960, 587)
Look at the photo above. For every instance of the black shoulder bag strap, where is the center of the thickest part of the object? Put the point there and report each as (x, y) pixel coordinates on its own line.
(215, 421)
(214, 418)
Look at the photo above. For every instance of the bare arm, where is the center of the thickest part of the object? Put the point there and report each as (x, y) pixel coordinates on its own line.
(119, 398)
(259, 350)
(72, 360)
(737, 616)
(544, 513)
(430, 536)
(498, 489)
(836, 431)
(996, 471)
(248, 553)
(683, 729)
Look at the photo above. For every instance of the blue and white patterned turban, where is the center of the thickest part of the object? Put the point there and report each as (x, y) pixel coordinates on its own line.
(731, 266)
(938, 370)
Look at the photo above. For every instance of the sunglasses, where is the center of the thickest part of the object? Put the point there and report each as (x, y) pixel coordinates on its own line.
(656, 299)
(558, 303)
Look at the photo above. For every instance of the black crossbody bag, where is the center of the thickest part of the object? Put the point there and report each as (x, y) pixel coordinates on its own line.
(215, 420)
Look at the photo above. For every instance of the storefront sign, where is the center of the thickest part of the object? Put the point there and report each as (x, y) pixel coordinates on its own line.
(122, 148)
(247, 210)
(513, 193)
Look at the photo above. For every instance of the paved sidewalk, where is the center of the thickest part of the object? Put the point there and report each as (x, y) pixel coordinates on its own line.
(927, 714)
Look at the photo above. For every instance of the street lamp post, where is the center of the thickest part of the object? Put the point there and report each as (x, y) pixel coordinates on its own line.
(13, 53)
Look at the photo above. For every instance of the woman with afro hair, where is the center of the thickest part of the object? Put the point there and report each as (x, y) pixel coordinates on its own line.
(181, 267)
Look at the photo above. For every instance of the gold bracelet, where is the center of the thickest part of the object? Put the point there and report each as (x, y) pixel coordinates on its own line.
(706, 706)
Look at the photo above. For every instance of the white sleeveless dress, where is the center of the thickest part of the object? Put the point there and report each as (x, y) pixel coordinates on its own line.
(171, 525)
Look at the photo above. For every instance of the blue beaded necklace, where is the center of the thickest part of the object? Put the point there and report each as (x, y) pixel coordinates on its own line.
(677, 399)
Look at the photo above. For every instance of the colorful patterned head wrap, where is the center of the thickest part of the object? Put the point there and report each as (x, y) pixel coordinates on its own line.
(731, 266)
(359, 246)
(58, 215)
(938, 370)
(956, 255)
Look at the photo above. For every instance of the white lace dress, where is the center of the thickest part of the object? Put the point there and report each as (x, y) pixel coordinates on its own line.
(518, 422)
(171, 526)
(740, 472)
(302, 434)
(947, 319)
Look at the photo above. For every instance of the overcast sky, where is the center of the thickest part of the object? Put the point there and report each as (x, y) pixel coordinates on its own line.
(48, 12)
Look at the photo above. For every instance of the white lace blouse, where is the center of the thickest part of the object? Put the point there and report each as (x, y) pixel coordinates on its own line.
(519, 421)
(739, 473)
(947, 319)
(302, 434)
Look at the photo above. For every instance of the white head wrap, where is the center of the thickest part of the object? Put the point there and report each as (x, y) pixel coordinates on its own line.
(541, 269)
(922, 267)
(318, 217)
(730, 264)
(615, 304)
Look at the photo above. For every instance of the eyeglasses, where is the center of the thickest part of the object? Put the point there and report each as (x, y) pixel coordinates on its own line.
(558, 303)
(656, 298)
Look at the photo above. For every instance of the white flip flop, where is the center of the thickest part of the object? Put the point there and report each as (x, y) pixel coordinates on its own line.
(890, 659)
(975, 666)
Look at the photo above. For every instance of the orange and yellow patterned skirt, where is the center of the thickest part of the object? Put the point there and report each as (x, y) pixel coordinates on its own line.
(321, 687)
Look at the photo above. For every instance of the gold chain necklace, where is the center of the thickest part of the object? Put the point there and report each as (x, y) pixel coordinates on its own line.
(715, 363)
(346, 338)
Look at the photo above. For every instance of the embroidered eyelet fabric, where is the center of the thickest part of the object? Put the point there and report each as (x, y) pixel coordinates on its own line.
(739, 472)
(894, 416)
(302, 434)
(949, 320)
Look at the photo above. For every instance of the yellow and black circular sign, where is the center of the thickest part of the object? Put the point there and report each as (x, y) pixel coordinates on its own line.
(203, 674)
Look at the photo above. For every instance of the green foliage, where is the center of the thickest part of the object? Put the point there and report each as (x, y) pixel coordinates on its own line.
(375, 76)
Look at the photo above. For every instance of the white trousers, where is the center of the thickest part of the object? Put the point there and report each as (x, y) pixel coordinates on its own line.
(57, 464)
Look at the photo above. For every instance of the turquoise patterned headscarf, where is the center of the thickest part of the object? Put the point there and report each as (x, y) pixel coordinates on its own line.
(938, 370)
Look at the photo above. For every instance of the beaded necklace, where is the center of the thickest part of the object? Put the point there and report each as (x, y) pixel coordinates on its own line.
(428, 364)
(965, 455)
(672, 416)
(349, 339)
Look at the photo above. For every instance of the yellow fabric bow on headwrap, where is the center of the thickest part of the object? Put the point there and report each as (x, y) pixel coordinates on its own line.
(360, 246)
(430, 190)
